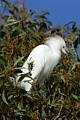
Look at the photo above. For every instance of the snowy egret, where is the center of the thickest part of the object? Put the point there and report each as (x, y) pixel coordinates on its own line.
(41, 62)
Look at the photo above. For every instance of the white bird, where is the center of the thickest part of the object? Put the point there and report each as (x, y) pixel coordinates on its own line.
(42, 60)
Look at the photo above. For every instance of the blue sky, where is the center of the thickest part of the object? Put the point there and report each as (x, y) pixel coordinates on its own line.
(61, 11)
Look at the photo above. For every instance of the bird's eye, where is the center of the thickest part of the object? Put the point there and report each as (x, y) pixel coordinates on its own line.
(63, 46)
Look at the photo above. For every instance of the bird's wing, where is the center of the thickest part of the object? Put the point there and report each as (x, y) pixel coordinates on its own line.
(35, 62)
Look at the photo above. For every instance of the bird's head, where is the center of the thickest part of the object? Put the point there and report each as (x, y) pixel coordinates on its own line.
(56, 43)
(63, 48)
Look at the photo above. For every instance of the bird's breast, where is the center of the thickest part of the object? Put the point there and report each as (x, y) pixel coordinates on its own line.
(51, 60)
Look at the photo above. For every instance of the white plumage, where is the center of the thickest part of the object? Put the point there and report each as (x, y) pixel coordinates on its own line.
(42, 59)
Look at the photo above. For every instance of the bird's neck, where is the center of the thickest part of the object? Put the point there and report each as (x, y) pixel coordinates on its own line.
(56, 55)
(56, 50)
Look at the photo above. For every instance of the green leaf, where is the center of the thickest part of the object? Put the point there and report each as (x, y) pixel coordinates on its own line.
(12, 12)
(45, 12)
(17, 112)
(2, 74)
(17, 61)
(30, 30)
(3, 61)
(20, 105)
(1, 83)
(4, 118)
(10, 24)
(6, 84)
(1, 47)
(75, 96)
(10, 97)
(41, 16)
(6, 2)
(16, 31)
(49, 22)
(4, 98)
(11, 20)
